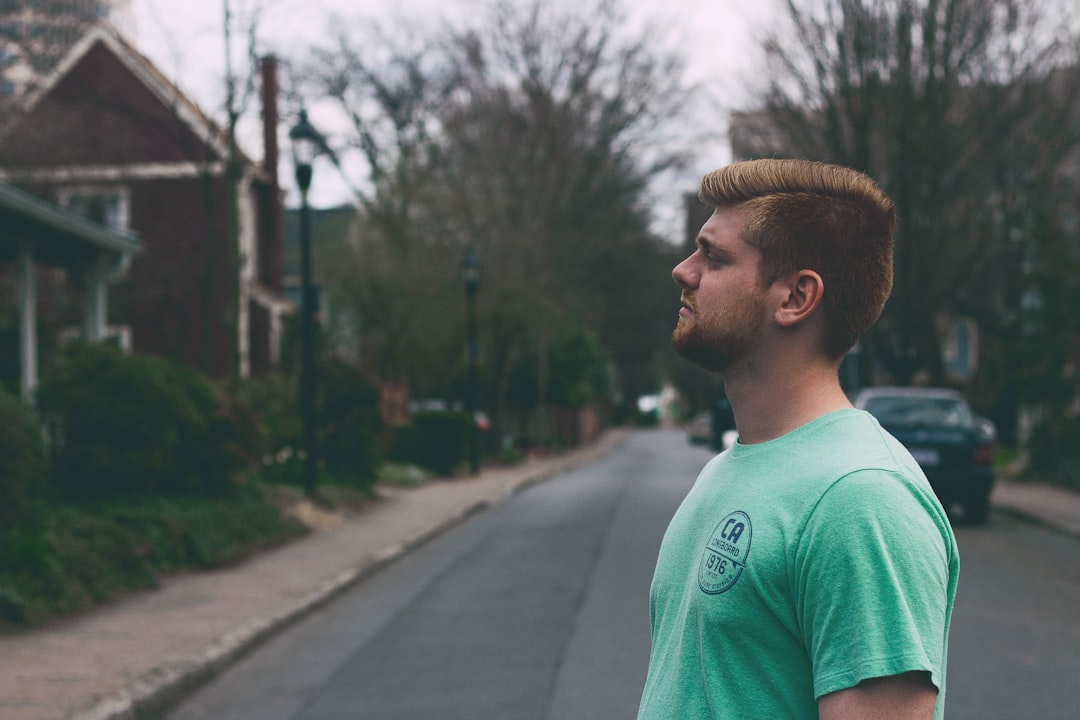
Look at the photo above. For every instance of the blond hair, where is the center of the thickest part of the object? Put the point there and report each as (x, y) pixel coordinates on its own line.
(811, 215)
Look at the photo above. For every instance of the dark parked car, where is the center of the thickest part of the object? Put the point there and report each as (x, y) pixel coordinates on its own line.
(953, 446)
(699, 430)
(714, 427)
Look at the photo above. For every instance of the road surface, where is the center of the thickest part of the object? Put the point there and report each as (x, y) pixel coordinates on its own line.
(538, 610)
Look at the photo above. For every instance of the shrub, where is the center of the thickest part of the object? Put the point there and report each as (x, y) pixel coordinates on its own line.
(348, 424)
(23, 465)
(1054, 456)
(134, 425)
(23, 487)
(89, 553)
(440, 439)
(270, 406)
(399, 442)
(579, 372)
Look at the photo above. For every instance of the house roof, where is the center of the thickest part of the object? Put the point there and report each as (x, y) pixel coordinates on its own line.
(142, 68)
(59, 236)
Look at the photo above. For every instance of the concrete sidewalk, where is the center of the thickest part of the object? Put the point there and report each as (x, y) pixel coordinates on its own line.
(144, 653)
(1047, 505)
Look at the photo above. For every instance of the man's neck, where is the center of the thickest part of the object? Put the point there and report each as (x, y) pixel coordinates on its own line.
(770, 402)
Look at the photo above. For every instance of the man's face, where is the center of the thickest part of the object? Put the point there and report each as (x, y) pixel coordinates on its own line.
(723, 299)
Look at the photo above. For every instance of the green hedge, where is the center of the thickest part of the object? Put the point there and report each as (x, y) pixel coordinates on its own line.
(134, 426)
(438, 440)
(23, 491)
(348, 424)
(268, 404)
(81, 555)
(23, 463)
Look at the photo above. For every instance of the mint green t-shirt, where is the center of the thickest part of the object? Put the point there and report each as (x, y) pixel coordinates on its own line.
(795, 568)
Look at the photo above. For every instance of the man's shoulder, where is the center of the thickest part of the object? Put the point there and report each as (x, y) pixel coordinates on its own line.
(843, 442)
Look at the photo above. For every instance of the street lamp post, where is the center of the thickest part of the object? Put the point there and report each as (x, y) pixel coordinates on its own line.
(470, 267)
(306, 143)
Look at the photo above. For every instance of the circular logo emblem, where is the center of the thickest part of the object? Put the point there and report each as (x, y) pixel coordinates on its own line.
(724, 557)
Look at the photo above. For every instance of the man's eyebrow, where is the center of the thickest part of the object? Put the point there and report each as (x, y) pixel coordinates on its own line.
(711, 247)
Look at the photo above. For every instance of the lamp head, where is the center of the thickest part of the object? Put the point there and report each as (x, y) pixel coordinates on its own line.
(306, 144)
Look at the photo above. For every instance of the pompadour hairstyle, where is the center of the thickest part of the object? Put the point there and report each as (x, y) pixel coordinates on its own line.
(815, 216)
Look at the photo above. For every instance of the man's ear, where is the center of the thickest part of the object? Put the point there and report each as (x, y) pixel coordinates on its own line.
(801, 294)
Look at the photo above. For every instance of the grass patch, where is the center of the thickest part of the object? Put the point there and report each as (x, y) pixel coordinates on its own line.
(399, 475)
(70, 557)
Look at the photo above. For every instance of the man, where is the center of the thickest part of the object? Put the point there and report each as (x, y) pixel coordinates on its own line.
(810, 572)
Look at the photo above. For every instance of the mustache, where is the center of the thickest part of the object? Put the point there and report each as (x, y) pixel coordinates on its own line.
(687, 300)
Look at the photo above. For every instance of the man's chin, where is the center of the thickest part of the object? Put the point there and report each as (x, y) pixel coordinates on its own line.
(693, 349)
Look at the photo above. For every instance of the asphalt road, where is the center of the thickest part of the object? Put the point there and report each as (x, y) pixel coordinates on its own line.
(538, 609)
(1014, 649)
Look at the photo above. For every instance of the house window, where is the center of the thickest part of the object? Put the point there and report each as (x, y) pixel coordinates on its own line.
(960, 347)
(108, 206)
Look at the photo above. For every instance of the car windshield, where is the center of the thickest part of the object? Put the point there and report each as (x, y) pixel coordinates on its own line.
(940, 412)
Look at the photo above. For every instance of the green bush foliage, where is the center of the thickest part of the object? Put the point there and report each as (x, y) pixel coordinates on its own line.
(134, 426)
(439, 440)
(23, 464)
(84, 554)
(1054, 457)
(399, 442)
(348, 424)
(270, 406)
(23, 490)
(578, 368)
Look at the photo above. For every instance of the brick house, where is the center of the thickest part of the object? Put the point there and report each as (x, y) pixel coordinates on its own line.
(36, 234)
(108, 136)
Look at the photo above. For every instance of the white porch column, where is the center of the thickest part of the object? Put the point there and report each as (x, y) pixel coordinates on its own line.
(246, 272)
(95, 302)
(27, 322)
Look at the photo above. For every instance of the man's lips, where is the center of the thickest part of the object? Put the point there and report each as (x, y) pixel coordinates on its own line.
(686, 308)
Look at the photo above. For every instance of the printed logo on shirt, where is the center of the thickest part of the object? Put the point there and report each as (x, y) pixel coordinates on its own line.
(724, 557)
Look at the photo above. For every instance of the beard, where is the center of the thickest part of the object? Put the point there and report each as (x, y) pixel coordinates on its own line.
(718, 341)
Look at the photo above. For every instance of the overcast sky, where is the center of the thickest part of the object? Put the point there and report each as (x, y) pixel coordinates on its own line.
(184, 38)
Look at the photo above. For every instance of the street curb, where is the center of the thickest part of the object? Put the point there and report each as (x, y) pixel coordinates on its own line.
(164, 688)
(1033, 518)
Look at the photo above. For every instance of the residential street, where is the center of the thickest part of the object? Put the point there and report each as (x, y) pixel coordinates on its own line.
(1015, 644)
(355, 357)
(538, 609)
(523, 586)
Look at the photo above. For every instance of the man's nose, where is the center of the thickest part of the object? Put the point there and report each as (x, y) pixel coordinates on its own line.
(684, 274)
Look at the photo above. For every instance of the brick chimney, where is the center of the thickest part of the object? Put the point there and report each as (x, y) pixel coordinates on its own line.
(272, 249)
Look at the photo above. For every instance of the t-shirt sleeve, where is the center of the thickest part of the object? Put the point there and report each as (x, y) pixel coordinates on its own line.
(872, 574)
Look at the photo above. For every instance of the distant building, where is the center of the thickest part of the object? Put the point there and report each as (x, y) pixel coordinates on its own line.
(107, 135)
(33, 234)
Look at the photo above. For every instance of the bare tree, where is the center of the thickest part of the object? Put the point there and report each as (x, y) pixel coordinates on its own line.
(398, 274)
(521, 134)
(963, 110)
